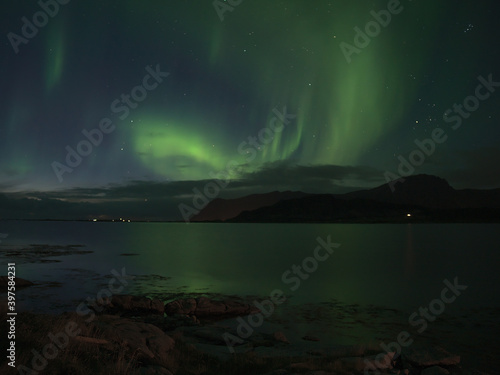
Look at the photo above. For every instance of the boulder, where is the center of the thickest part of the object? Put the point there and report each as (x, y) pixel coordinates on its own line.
(310, 338)
(435, 370)
(152, 370)
(211, 335)
(368, 364)
(239, 308)
(185, 306)
(207, 307)
(280, 337)
(146, 340)
(133, 305)
(204, 307)
(428, 357)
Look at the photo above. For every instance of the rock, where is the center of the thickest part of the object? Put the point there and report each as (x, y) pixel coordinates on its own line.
(435, 370)
(280, 336)
(181, 306)
(239, 308)
(147, 340)
(160, 344)
(157, 305)
(204, 307)
(20, 283)
(310, 338)
(301, 366)
(170, 323)
(133, 305)
(91, 340)
(207, 307)
(429, 357)
(278, 372)
(213, 335)
(367, 364)
(152, 370)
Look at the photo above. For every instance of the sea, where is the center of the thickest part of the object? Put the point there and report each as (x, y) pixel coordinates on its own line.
(401, 266)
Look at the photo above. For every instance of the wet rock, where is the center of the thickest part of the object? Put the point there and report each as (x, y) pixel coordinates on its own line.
(41, 253)
(20, 283)
(278, 372)
(185, 306)
(204, 307)
(207, 307)
(239, 308)
(212, 335)
(280, 336)
(152, 370)
(133, 305)
(435, 370)
(310, 338)
(91, 340)
(146, 340)
(429, 357)
(369, 363)
(301, 366)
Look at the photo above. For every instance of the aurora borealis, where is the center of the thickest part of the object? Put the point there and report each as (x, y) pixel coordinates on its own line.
(351, 122)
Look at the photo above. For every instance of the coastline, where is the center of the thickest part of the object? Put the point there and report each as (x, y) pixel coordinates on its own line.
(146, 336)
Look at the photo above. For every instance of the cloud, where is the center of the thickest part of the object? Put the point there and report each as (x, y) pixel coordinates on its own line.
(159, 200)
(285, 175)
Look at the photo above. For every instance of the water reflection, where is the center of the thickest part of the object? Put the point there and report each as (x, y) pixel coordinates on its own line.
(410, 253)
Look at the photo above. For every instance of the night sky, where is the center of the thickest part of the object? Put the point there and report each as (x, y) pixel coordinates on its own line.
(214, 83)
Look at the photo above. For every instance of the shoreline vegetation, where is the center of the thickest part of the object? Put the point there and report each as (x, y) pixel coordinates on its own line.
(128, 334)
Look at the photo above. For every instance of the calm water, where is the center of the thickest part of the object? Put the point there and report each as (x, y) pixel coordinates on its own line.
(394, 265)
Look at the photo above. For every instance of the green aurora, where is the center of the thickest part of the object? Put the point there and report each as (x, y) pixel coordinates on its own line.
(227, 80)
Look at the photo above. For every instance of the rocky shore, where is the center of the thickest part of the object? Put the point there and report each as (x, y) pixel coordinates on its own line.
(138, 335)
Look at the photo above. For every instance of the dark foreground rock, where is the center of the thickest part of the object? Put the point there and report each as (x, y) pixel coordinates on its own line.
(146, 341)
(203, 307)
(132, 335)
(127, 305)
(429, 357)
(152, 370)
(166, 345)
(435, 370)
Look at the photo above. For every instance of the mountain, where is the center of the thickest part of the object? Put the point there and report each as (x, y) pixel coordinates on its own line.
(327, 208)
(422, 190)
(424, 197)
(224, 209)
(430, 192)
